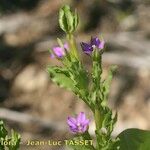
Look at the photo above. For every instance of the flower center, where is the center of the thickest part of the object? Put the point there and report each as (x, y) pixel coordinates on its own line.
(79, 126)
(94, 46)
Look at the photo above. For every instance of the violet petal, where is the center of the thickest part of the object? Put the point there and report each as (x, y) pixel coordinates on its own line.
(66, 46)
(86, 122)
(58, 51)
(95, 41)
(71, 122)
(81, 117)
(87, 48)
(101, 45)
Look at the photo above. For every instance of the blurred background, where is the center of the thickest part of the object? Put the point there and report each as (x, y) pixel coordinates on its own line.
(35, 107)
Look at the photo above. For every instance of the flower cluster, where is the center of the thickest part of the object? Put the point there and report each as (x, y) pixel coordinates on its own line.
(90, 87)
(79, 124)
(87, 48)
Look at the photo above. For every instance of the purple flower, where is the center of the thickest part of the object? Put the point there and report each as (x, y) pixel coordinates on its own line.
(87, 48)
(94, 43)
(97, 43)
(59, 51)
(79, 124)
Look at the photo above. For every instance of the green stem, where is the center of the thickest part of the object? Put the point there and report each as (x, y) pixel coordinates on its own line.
(87, 136)
(98, 123)
(98, 119)
(98, 112)
(72, 45)
(97, 71)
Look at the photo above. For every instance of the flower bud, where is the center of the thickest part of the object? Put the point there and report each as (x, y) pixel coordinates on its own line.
(68, 20)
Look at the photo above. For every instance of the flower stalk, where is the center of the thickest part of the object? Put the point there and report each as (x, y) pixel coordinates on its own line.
(87, 86)
(72, 44)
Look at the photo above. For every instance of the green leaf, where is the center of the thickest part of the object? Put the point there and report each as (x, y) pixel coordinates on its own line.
(14, 140)
(61, 77)
(134, 139)
(81, 143)
(76, 20)
(3, 131)
(69, 18)
(60, 43)
(80, 77)
(78, 147)
(106, 85)
(109, 121)
(62, 20)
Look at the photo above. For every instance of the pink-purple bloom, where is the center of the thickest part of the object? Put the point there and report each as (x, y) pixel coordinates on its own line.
(78, 124)
(94, 43)
(59, 51)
